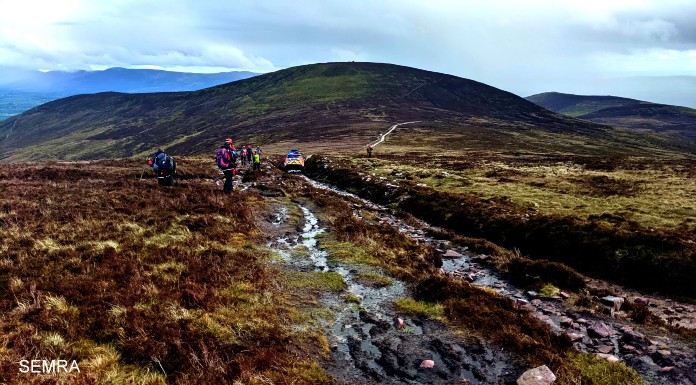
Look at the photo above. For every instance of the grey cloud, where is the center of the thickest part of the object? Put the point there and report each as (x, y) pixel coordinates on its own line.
(510, 45)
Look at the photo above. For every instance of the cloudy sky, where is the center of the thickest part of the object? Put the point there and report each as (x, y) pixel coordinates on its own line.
(520, 46)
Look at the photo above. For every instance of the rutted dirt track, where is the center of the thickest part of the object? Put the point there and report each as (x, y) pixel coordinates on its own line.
(368, 343)
(371, 344)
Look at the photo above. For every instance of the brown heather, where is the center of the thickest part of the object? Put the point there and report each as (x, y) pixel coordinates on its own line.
(139, 284)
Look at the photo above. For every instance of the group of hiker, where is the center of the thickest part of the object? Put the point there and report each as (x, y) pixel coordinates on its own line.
(226, 157)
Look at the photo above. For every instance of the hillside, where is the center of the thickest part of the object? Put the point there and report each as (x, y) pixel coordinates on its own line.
(333, 105)
(621, 112)
(36, 88)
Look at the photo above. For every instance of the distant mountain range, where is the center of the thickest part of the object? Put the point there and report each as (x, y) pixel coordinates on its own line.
(621, 112)
(670, 90)
(119, 80)
(35, 88)
(320, 105)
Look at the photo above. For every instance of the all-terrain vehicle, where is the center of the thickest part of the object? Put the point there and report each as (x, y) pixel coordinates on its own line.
(294, 162)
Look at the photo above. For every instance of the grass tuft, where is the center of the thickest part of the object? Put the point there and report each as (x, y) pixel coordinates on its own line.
(421, 308)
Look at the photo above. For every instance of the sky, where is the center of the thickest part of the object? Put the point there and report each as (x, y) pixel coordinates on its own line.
(520, 46)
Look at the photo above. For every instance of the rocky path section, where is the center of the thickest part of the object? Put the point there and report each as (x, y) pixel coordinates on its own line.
(658, 357)
(371, 342)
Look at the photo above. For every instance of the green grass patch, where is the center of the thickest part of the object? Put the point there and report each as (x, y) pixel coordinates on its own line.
(350, 297)
(348, 252)
(549, 291)
(421, 308)
(373, 279)
(590, 369)
(304, 372)
(315, 280)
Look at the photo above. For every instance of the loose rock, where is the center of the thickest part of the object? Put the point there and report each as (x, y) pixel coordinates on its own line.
(452, 254)
(608, 357)
(541, 375)
(615, 302)
(427, 364)
(599, 329)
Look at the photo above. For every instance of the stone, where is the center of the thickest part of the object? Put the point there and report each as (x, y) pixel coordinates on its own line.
(652, 349)
(575, 336)
(566, 321)
(667, 369)
(522, 302)
(536, 302)
(541, 375)
(427, 364)
(640, 300)
(452, 254)
(582, 321)
(608, 357)
(564, 295)
(632, 337)
(606, 349)
(599, 329)
(664, 353)
(612, 301)
(532, 293)
(629, 348)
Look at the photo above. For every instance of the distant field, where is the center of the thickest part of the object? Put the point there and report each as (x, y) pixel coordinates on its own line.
(653, 194)
(14, 103)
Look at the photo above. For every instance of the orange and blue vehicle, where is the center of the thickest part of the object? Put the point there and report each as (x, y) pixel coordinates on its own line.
(294, 161)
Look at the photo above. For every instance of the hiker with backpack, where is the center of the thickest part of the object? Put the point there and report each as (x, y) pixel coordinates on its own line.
(369, 150)
(243, 155)
(164, 167)
(249, 154)
(257, 161)
(226, 159)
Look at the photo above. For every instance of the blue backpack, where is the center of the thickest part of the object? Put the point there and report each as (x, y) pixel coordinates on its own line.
(165, 161)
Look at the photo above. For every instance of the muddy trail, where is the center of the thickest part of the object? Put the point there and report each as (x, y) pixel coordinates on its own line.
(371, 342)
(653, 353)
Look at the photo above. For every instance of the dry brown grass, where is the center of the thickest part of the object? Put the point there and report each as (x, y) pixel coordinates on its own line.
(140, 284)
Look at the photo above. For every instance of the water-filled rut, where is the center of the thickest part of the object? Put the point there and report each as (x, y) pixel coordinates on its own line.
(370, 340)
